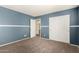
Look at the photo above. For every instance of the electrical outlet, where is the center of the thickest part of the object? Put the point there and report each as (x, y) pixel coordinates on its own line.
(25, 35)
(44, 35)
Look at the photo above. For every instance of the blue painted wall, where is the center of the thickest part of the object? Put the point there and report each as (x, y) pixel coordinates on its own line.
(74, 35)
(10, 34)
(74, 31)
(10, 17)
(45, 32)
(44, 21)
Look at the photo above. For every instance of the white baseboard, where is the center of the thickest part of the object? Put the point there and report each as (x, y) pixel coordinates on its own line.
(74, 45)
(13, 42)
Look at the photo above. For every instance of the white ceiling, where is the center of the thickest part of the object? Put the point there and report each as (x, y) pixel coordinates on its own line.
(37, 10)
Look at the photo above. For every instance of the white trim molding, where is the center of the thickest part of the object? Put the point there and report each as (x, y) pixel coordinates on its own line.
(74, 26)
(14, 26)
(44, 26)
(74, 45)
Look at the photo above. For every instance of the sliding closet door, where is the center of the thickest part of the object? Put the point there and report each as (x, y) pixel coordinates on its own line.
(59, 28)
(32, 28)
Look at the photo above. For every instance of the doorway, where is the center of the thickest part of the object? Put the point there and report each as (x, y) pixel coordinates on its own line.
(38, 28)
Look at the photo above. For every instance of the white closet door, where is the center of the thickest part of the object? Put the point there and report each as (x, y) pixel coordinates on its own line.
(59, 28)
(32, 28)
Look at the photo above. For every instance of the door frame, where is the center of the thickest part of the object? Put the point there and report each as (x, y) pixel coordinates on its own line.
(39, 19)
